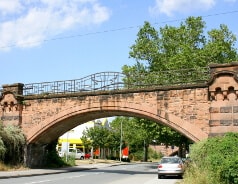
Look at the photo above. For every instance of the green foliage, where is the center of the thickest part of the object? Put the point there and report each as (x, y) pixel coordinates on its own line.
(86, 142)
(134, 139)
(2, 149)
(70, 161)
(52, 158)
(154, 155)
(178, 55)
(137, 155)
(100, 138)
(221, 45)
(14, 141)
(218, 157)
(146, 133)
(185, 46)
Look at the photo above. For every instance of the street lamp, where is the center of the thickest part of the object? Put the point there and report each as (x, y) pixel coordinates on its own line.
(67, 145)
(67, 152)
(121, 142)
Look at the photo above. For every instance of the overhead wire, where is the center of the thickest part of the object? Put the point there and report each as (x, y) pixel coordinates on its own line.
(113, 30)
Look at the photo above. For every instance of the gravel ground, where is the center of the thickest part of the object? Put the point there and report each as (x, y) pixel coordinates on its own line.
(95, 161)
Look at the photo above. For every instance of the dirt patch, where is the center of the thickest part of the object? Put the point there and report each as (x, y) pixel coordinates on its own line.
(95, 161)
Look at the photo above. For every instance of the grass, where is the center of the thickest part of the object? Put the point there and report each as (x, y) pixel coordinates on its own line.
(4, 167)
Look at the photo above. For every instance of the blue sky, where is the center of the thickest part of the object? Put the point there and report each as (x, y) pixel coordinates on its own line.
(51, 40)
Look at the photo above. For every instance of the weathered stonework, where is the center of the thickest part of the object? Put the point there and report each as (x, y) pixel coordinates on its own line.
(196, 111)
(223, 91)
(11, 104)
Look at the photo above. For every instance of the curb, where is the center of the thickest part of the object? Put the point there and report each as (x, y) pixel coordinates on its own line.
(38, 172)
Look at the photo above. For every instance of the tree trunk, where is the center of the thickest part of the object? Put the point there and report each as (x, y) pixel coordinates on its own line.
(145, 159)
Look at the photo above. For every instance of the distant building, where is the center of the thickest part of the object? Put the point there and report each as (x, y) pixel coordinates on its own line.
(71, 139)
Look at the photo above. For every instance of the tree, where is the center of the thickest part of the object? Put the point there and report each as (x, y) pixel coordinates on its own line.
(98, 136)
(131, 138)
(86, 142)
(181, 47)
(162, 55)
(220, 47)
(139, 133)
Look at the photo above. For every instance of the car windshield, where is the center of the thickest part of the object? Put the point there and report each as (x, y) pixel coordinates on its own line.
(170, 160)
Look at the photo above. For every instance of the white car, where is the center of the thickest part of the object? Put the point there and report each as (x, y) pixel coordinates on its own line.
(170, 166)
(77, 153)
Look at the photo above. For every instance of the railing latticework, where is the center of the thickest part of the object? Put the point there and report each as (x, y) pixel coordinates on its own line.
(103, 81)
(106, 81)
(168, 78)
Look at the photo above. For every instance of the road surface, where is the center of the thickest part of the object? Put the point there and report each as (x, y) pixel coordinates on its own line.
(142, 173)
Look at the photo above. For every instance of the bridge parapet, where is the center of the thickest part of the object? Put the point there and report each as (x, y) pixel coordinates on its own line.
(10, 102)
(223, 92)
(105, 81)
(111, 81)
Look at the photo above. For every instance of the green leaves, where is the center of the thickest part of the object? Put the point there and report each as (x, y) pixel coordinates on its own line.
(2, 149)
(146, 45)
(98, 136)
(218, 155)
(12, 142)
(185, 46)
(220, 47)
(166, 56)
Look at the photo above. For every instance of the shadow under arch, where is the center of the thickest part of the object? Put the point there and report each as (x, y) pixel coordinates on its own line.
(50, 129)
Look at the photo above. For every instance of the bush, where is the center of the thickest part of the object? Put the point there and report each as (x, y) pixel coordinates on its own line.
(14, 141)
(2, 149)
(215, 159)
(53, 160)
(69, 161)
(154, 155)
(136, 156)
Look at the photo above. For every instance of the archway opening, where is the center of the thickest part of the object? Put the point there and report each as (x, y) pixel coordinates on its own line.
(55, 129)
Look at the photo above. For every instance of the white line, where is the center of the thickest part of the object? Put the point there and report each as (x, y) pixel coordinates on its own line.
(43, 181)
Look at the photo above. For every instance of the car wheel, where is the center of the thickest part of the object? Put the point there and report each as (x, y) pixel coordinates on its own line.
(159, 176)
(81, 158)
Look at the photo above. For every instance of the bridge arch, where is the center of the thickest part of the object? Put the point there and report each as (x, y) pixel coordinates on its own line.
(54, 126)
(204, 107)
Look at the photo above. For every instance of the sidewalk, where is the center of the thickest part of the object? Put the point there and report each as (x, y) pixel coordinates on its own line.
(35, 172)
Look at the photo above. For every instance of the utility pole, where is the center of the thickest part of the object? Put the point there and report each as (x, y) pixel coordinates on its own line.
(121, 142)
(67, 152)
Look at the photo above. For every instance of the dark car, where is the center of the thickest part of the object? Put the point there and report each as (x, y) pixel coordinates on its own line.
(169, 166)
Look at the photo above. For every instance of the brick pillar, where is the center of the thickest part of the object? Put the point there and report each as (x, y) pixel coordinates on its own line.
(223, 96)
(35, 155)
(16, 88)
(11, 104)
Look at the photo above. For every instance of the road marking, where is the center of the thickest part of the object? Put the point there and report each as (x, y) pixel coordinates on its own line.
(43, 181)
(55, 179)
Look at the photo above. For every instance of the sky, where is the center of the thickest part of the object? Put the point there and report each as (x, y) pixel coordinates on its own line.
(55, 40)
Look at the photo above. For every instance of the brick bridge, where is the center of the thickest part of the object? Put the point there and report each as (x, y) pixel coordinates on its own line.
(197, 111)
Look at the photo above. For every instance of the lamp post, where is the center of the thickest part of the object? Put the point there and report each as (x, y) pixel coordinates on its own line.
(67, 151)
(121, 142)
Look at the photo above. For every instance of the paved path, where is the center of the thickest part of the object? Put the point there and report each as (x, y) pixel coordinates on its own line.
(33, 172)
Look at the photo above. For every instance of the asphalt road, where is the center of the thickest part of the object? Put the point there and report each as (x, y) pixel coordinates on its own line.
(142, 173)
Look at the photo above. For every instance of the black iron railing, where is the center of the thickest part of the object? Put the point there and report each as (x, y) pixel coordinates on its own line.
(168, 78)
(103, 81)
(106, 81)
